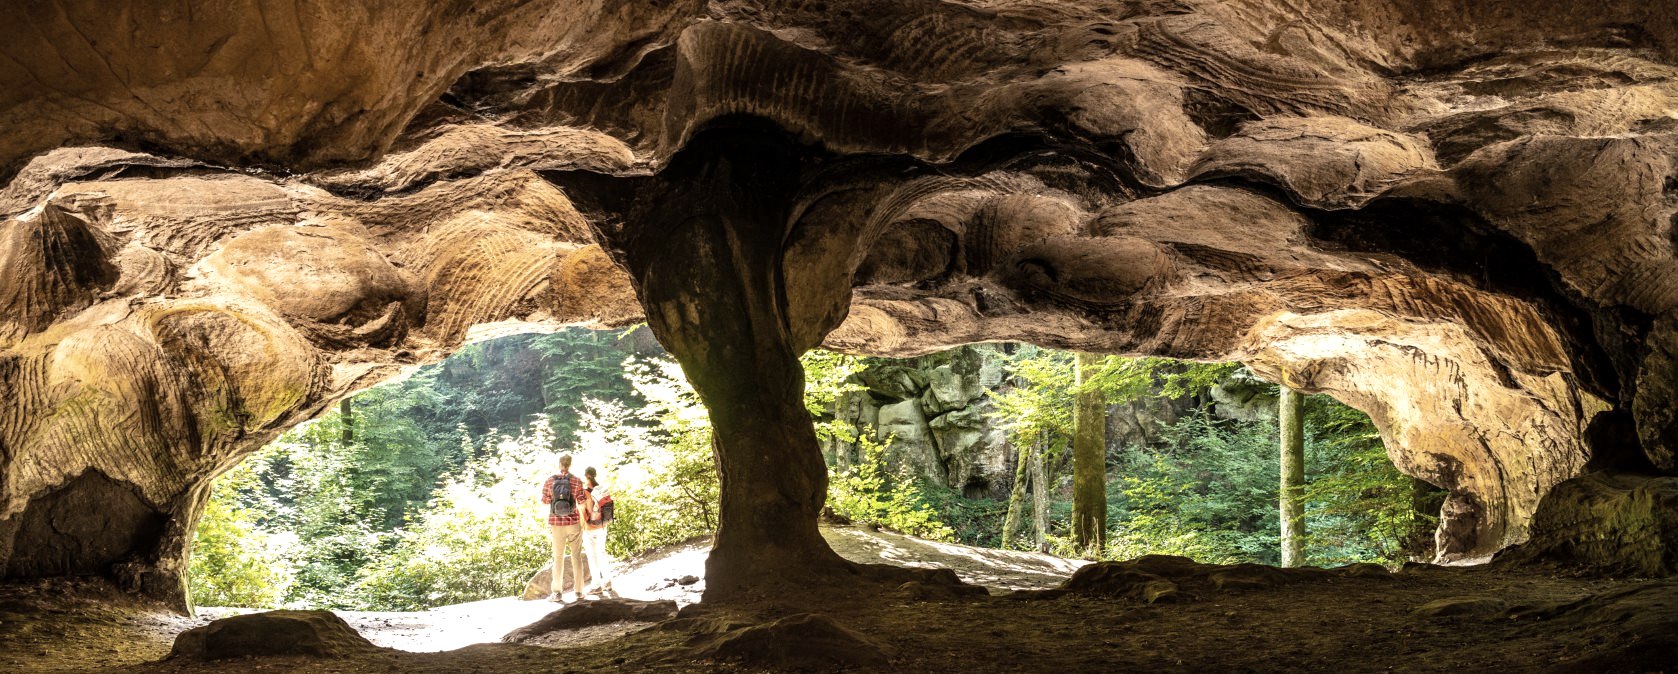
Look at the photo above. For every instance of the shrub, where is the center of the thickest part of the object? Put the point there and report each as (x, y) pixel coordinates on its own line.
(868, 493)
(235, 562)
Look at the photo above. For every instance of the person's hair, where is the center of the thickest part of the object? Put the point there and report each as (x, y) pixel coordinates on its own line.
(565, 461)
(589, 471)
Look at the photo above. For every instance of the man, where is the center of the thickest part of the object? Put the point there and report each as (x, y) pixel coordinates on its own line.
(564, 493)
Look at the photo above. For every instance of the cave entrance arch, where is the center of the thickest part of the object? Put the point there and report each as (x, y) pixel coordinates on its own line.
(421, 491)
(749, 247)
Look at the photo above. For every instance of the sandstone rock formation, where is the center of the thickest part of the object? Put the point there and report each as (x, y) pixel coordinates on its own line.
(938, 420)
(1456, 215)
(584, 614)
(319, 634)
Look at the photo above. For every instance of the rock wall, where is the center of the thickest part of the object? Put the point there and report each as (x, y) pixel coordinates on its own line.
(1456, 215)
(939, 419)
(943, 426)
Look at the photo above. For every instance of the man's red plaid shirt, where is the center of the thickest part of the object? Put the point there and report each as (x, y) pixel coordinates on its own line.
(578, 496)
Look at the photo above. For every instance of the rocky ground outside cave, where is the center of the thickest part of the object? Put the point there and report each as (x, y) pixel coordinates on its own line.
(1424, 618)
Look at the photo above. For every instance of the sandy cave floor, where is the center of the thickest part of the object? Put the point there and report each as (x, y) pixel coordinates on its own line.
(1330, 624)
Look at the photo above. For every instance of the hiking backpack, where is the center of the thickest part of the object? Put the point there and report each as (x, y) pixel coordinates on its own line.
(603, 510)
(564, 502)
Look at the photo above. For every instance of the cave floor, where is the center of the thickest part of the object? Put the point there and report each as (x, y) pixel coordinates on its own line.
(1517, 620)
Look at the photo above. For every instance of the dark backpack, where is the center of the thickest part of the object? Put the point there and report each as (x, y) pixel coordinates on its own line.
(564, 502)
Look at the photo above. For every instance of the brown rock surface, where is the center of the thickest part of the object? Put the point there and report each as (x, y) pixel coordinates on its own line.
(318, 634)
(588, 613)
(1456, 215)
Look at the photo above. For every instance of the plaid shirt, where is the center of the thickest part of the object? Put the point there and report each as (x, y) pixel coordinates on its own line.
(578, 496)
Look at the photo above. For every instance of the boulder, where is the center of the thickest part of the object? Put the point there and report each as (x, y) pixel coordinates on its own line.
(588, 613)
(1153, 578)
(319, 634)
(540, 585)
(948, 389)
(912, 447)
(801, 641)
(1610, 523)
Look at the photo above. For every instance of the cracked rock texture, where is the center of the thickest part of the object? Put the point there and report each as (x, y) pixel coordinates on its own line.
(1456, 215)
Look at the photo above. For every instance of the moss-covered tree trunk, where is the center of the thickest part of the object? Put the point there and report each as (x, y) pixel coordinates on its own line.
(1015, 519)
(1089, 462)
(1039, 500)
(346, 415)
(1293, 477)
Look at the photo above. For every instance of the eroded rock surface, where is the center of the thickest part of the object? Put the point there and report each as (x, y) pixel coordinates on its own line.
(318, 634)
(1456, 215)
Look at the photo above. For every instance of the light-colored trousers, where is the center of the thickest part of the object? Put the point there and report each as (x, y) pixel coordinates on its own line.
(594, 541)
(567, 536)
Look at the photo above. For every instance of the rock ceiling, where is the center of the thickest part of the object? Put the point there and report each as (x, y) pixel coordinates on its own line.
(1456, 215)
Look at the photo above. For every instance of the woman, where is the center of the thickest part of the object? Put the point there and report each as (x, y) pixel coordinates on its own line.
(598, 512)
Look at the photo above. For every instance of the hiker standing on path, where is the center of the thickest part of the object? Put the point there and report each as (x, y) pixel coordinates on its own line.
(563, 493)
(597, 514)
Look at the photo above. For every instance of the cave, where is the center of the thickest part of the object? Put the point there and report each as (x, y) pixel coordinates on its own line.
(1454, 215)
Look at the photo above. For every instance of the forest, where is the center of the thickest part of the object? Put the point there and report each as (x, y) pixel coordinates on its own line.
(423, 492)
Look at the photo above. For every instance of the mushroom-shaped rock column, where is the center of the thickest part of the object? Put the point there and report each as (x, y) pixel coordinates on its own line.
(706, 244)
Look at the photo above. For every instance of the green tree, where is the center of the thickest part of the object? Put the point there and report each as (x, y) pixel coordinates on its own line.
(234, 561)
(1089, 460)
(482, 535)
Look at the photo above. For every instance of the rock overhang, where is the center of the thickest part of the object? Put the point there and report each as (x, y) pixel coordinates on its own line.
(1301, 187)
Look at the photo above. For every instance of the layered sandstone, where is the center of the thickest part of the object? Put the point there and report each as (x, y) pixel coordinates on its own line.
(1456, 215)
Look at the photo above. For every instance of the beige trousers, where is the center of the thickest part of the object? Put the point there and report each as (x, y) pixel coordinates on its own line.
(567, 536)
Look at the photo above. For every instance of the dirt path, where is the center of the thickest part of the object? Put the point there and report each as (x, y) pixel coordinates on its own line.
(660, 576)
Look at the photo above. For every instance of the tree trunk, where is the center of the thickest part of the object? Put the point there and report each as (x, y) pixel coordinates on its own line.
(1089, 463)
(1015, 519)
(1040, 499)
(346, 414)
(1425, 501)
(1293, 477)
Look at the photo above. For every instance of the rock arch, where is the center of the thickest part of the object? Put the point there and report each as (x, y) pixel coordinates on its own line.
(218, 221)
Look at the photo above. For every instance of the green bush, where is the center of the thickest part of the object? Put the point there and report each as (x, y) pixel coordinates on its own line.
(660, 469)
(481, 536)
(235, 562)
(869, 493)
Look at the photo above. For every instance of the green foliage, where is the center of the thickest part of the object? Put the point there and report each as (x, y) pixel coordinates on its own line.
(320, 500)
(1359, 508)
(972, 521)
(870, 493)
(579, 366)
(233, 562)
(1122, 380)
(482, 535)
(664, 479)
(1037, 409)
(1208, 493)
(827, 376)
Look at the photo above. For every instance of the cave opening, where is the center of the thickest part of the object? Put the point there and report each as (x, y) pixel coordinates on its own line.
(418, 496)
(1451, 215)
